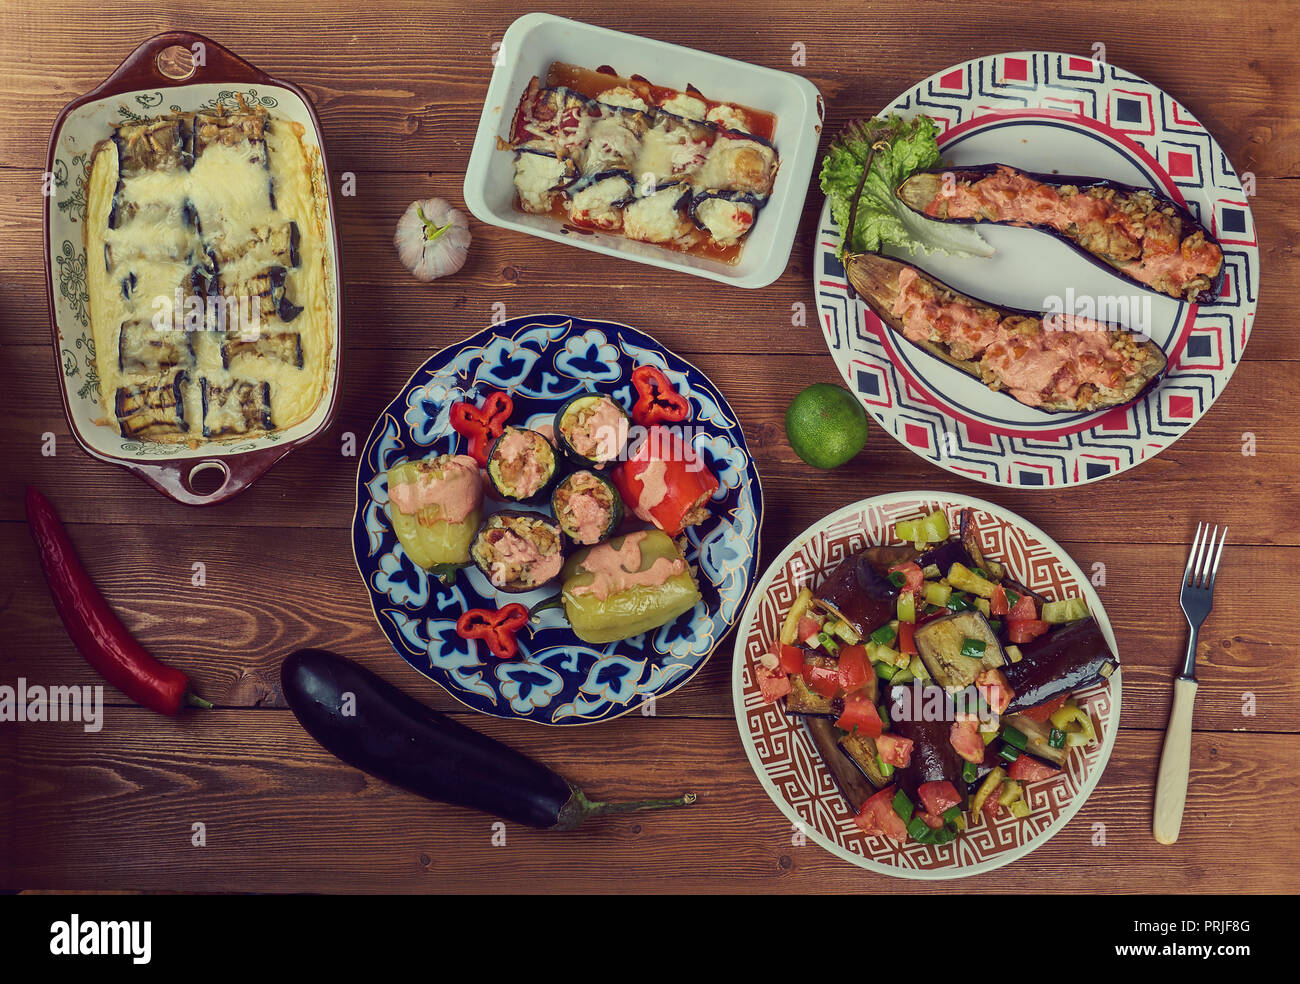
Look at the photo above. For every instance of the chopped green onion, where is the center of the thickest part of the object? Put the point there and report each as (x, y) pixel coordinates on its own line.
(1009, 752)
(885, 768)
(885, 671)
(995, 624)
(827, 643)
(898, 579)
(1012, 736)
(919, 830)
(982, 573)
(973, 648)
(969, 772)
(903, 806)
(958, 602)
(952, 814)
(884, 635)
(1012, 597)
(884, 716)
(1057, 738)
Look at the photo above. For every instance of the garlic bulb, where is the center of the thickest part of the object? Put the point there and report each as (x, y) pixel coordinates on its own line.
(432, 239)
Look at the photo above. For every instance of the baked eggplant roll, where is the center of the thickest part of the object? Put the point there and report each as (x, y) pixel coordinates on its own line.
(1054, 363)
(1136, 232)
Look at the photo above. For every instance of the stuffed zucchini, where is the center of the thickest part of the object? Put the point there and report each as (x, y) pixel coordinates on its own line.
(518, 551)
(436, 506)
(627, 586)
(587, 507)
(521, 465)
(591, 430)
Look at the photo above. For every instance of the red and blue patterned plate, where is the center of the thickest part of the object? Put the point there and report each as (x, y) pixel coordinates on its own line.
(1053, 112)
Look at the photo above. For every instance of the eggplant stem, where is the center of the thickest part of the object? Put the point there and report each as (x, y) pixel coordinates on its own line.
(593, 808)
(194, 700)
(554, 601)
(881, 142)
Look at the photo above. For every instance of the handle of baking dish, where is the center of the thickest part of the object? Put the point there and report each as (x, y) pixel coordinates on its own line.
(180, 58)
(206, 481)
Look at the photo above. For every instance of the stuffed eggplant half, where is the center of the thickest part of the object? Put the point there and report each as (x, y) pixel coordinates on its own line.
(1136, 232)
(518, 551)
(1054, 363)
(948, 684)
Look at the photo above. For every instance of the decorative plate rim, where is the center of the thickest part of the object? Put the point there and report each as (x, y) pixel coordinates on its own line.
(753, 479)
(982, 459)
(743, 631)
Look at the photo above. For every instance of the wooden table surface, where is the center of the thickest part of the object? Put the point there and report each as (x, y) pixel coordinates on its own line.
(399, 88)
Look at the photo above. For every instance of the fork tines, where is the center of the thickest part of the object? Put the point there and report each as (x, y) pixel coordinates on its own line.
(1203, 562)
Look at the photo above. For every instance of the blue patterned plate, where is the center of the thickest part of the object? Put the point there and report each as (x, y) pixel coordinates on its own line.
(541, 360)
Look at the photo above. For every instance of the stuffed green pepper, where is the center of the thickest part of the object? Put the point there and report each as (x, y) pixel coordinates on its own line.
(626, 586)
(436, 506)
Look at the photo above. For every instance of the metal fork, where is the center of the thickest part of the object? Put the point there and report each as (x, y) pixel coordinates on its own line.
(1196, 599)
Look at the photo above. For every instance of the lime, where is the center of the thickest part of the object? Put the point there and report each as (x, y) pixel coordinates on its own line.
(826, 425)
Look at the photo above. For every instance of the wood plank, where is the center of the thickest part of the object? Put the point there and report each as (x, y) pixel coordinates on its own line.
(145, 780)
(231, 634)
(409, 86)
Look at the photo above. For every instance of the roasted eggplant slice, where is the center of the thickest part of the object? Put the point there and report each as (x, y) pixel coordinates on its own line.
(727, 216)
(242, 406)
(1060, 662)
(1136, 232)
(846, 770)
(143, 348)
(152, 413)
(1053, 363)
(933, 757)
(541, 177)
(957, 648)
(857, 593)
(803, 700)
(283, 346)
(862, 750)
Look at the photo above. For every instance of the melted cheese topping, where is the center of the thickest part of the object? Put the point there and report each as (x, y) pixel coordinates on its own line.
(229, 189)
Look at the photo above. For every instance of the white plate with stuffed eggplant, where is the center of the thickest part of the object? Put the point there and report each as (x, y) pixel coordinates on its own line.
(1052, 274)
(926, 685)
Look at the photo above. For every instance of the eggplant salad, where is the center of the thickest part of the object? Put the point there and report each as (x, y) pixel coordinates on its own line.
(609, 542)
(936, 686)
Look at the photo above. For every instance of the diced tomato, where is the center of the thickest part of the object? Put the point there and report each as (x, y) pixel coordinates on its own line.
(965, 737)
(824, 680)
(860, 713)
(808, 627)
(998, 604)
(1027, 630)
(894, 750)
(1022, 610)
(855, 668)
(878, 816)
(995, 690)
(1029, 769)
(1043, 711)
(906, 642)
(915, 576)
(773, 687)
(931, 820)
(938, 797)
(992, 808)
(791, 659)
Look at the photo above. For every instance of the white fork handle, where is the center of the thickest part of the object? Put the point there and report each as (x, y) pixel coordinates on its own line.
(1175, 761)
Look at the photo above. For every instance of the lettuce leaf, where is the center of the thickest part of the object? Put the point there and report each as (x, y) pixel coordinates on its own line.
(901, 148)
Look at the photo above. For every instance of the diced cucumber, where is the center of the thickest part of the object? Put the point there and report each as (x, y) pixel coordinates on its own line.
(907, 607)
(937, 594)
(1066, 610)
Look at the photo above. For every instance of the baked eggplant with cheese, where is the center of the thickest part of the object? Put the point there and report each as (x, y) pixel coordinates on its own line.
(1054, 363)
(1136, 232)
(209, 298)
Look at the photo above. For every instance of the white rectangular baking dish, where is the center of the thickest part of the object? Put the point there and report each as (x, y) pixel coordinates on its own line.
(534, 41)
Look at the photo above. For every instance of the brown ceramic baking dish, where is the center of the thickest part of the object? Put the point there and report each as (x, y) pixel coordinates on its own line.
(176, 71)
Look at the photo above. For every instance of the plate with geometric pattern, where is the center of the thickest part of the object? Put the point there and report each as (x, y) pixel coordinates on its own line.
(541, 360)
(1050, 112)
(783, 755)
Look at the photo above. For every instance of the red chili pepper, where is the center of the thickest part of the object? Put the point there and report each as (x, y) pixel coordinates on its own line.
(98, 634)
(482, 425)
(496, 627)
(657, 401)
